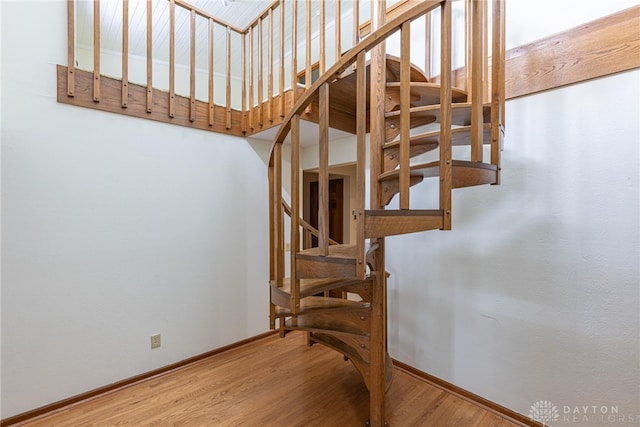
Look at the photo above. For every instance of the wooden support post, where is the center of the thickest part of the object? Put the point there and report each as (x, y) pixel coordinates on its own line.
(272, 239)
(338, 32)
(228, 97)
(125, 53)
(149, 56)
(476, 81)
(281, 67)
(270, 67)
(377, 139)
(192, 68)
(71, 47)
(244, 83)
(251, 88)
(260, 73)
(405, 118)
(361, 153)
(294, 51)
(323, 173)
(323, 38)
(295, 211)
(211, 74)
(172, 58)
(446, 175)
(497, 94)
(96, 50)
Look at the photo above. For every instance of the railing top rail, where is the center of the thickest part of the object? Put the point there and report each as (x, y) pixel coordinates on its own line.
(185, 5)
(350, 57)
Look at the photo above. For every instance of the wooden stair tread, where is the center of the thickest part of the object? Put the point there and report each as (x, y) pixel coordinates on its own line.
(422, 94)
(385, 222)
(465, 173)
(393, 64)
(310, 287)
(326, 324)
(459, 136)
(335, 251)
(313, 304)
(460, 114)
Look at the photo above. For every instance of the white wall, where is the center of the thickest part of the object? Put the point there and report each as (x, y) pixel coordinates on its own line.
(534, 294)
(115, 228)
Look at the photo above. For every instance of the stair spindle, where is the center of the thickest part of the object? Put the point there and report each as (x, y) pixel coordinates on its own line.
(96, 50)
(172, 58)
(228, 97)
(446, 178)
(323, 174)
(192, 67)
(294, 51)
(125, 54)
(295, 211)
(405, 119)
(361, 153)
(497, 94)
(210, 71)
(476, 81)
(149, 56)
(281, 63)
(71, 45)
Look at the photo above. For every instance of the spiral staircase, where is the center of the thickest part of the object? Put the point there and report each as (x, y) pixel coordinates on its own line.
(337, 292)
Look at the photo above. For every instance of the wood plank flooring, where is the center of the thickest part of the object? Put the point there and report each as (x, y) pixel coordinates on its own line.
(270, 382)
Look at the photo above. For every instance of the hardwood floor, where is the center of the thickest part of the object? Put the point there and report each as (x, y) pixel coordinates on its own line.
(271, 382)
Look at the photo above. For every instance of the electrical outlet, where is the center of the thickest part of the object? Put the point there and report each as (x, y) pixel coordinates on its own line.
(155, 341)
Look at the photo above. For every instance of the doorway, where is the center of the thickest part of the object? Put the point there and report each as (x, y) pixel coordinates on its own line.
(336, 209)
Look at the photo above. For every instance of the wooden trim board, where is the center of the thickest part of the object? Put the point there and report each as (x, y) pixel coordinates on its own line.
(483, 403)
(100, 391)
(599, 48)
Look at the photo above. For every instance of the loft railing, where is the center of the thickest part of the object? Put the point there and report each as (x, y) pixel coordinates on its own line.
(240, 80)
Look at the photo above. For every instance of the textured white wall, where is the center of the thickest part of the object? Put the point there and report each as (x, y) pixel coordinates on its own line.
(114, 229)
(534, 294)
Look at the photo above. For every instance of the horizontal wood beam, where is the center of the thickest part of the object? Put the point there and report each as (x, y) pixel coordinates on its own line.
(599, 48)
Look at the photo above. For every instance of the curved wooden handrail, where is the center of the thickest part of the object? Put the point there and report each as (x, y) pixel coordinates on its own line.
(350, 57)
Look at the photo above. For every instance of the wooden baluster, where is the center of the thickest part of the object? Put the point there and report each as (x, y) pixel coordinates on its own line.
(405, 118)
(356, 22)
(244, 82)
(476, 82)
(361, 153)
(503, 55)
(427, 44)
(323, 38)
(272, 239)
(294, 51)
(260, 72)
(496, 87)
(485, 51)
(211, 75)
(172, 58)
(125, 54)
(307, 68)
(192, 69)
(270, 69)
(338, 31)
(295, 211)
(228, 98)
(251, 88)
(468, 43)
(279, 215)
(71, 47)
(323, 174)
(281, 51)
(445, 115)
(96, 50)
(149, 56)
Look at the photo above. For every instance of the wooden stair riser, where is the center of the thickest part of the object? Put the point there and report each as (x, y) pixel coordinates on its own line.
(392, 223)
(421, 94)
(323, 267)
(391, 158)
